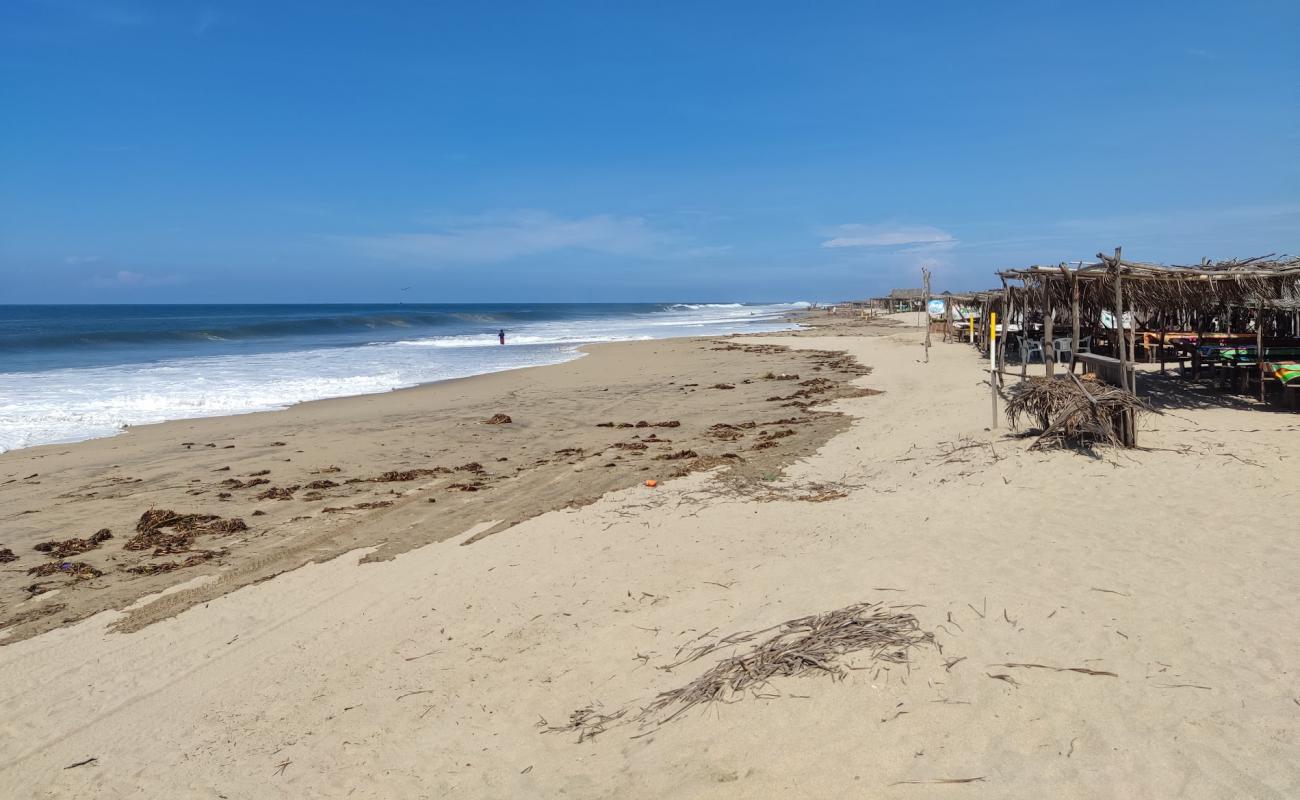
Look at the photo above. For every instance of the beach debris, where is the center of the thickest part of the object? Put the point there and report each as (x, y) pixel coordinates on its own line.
(652, 483)
(569, 451)
(7, 555)
(330, 470)
(706, 463)
(473, 467)
(198, 557)
(321, 484)
(72, 547)
(588, 722)
(278, 493)
(184, 528)
(396, 476)
(77, 570)
(723, 386)
(360, 506)
(822, 495)
(498, 419)
(677, 456)
(815, 644)
(724, 432)
(259, 473)
(82, 763)
(763, 445)
(672, 423)
(1072, 412)
(259, 513)
(781, 434)
(235, 483)
(1080, 670)
(464, 487)
(630, 446)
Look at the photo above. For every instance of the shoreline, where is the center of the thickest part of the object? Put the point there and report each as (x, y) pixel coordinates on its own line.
(324, 476)
(490, 361)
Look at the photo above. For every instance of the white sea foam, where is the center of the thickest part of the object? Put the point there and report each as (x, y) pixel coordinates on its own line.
(64, 405)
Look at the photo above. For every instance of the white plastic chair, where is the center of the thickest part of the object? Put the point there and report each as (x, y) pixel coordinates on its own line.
(1030, 348)
(1085, 344)
(1061, 348)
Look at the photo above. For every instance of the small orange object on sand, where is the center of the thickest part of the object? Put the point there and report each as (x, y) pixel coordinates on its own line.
(652, 483)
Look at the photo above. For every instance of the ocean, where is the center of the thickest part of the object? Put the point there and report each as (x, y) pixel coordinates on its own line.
(69, 373)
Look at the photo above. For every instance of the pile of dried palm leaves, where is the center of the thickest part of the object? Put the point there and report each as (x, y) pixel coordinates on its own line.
(1071, 412)
(816, 644)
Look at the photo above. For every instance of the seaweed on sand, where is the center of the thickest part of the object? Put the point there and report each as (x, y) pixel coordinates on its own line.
(72, 547)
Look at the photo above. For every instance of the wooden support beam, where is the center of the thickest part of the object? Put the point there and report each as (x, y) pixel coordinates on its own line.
(1049, 350)
(1119, 321)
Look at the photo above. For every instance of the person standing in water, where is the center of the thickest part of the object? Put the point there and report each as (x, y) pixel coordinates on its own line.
(501, 334)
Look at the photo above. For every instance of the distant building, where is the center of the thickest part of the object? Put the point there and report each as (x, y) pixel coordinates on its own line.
(900, 300)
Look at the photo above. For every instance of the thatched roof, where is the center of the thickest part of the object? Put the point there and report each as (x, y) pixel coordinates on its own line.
(907, 294)
(1208, 286)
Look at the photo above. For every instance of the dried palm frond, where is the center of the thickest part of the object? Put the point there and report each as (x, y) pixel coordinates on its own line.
(1073, 413)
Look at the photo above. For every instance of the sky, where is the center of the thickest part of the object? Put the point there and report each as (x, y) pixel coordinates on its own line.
(332, 151)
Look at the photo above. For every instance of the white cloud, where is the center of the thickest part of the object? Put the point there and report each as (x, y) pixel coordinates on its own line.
(887, 236)
(515, 235)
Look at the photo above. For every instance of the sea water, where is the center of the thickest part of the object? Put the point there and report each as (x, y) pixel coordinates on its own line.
(69, 373)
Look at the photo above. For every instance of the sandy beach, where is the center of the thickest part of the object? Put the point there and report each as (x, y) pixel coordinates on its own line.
(1113, 626)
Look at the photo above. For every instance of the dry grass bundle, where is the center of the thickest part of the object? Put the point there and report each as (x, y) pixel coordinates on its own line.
(1074, 413)
(816, 644)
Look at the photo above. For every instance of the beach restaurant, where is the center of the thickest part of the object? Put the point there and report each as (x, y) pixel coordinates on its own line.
(1233, 325)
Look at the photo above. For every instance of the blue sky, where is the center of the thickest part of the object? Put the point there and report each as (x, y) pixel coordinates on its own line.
(341, 151)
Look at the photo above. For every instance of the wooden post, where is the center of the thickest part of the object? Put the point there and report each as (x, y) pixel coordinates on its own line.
(1259, 347)
(1119, 322)
(925, 309)
(1164, 328)
(1074, 317)
(993, 366)
(1006, 323)
(1049, 350)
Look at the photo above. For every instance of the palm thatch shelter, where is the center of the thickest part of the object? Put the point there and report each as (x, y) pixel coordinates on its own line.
(1239, 313)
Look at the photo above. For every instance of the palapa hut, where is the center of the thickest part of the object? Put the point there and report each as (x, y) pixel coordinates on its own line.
(1240, 318)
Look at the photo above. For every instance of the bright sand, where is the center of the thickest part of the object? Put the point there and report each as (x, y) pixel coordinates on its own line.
(427, 674)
